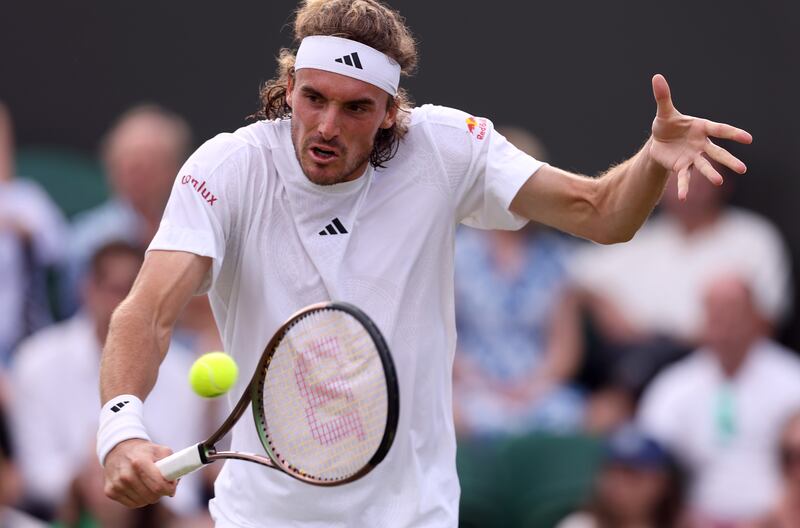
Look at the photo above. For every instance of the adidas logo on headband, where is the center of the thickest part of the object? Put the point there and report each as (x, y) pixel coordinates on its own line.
(355, 62)
(344, 56)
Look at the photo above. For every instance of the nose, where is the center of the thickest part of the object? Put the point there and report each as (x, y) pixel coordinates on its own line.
(328, 126)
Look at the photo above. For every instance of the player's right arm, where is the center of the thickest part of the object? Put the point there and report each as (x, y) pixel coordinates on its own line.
(138, 340)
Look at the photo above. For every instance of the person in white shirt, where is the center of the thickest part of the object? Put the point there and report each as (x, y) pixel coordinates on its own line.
(55, 399)
(345, 192)
(32, 232)
(646, 296)
(721, 410)
(140, 152)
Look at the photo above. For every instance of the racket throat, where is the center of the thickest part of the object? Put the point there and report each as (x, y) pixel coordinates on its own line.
(206, 453)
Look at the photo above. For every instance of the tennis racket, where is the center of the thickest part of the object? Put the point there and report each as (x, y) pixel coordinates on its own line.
(324, 397)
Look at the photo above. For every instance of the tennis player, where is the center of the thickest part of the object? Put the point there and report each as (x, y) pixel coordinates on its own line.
(345, 192)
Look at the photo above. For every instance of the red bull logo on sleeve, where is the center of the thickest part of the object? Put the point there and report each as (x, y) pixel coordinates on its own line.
(480, 124)
(471, 124)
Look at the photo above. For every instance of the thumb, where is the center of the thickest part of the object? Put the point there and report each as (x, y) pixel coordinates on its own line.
(663, 97)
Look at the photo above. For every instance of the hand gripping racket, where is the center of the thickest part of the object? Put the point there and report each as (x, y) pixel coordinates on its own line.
(324, 397)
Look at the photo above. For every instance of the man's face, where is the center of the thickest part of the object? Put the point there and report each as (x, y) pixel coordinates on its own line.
(142, 162)
(731, 318)
(704, 197)
(632, 493)
(334, 122)
(107, 288)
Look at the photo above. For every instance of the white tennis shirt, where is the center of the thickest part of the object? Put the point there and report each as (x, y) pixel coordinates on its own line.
(243, 200)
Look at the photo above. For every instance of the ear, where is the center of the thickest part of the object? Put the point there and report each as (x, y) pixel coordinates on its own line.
(289, 88)
(391, 117)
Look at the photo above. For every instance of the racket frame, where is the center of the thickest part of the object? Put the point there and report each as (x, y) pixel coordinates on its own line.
(254, 393)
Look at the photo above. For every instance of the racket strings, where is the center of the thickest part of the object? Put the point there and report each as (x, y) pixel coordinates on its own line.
(324, 397)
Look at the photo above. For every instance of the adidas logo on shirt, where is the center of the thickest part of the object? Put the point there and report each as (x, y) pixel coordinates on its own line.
(351, 60)
(334, 228)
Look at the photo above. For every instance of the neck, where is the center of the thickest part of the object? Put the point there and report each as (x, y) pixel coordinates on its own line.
(732, 359)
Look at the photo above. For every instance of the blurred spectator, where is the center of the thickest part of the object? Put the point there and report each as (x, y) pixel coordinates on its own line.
(518, 331)
(32, 233)
(10, 484)
(639, 486)
(786, 512)
(56, 401)
(607, 409)
(142, 154)
(645, 297)
(722, 408)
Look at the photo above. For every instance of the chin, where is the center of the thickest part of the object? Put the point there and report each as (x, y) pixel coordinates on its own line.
(324, 176)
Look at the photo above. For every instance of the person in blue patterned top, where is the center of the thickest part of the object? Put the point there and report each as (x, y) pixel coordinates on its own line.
(518, 330)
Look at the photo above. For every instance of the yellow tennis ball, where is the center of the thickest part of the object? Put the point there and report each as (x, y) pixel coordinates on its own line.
(213, 374)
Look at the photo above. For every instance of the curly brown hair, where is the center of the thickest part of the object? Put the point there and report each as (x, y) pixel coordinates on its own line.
(367, 21)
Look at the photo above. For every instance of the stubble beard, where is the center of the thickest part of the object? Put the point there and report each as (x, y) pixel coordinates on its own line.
(346, 174)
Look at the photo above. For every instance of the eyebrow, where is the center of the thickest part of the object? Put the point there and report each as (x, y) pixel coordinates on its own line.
(368, 101)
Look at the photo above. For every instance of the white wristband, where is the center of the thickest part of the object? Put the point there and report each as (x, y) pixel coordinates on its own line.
(121, 418)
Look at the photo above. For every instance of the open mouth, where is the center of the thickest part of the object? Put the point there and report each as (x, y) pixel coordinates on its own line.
(322, 154)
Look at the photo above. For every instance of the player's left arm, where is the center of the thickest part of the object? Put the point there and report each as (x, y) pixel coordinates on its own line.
(612, 207)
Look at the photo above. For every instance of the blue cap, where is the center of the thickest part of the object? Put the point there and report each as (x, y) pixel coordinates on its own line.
(629, 446)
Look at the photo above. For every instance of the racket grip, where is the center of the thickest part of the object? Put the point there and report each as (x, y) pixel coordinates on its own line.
(181, 463)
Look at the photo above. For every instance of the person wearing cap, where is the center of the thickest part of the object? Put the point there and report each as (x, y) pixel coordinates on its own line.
(344, 191)
(639, 486)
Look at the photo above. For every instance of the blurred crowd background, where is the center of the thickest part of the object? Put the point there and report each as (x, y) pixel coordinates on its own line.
(651, 384)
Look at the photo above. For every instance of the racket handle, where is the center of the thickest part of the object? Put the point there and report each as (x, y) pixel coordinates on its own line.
(181, 463)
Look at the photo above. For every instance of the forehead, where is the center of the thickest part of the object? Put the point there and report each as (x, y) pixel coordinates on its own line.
(338, 87)
(140, 133)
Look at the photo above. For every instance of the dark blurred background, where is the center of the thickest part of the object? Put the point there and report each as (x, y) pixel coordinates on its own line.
(575, 73)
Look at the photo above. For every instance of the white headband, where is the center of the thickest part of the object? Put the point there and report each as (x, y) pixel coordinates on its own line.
(350, 58)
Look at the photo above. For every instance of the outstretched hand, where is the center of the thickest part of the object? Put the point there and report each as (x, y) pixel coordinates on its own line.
(680, 142)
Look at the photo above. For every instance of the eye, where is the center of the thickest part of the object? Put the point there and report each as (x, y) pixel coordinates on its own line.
(314, 98)
(357, 108)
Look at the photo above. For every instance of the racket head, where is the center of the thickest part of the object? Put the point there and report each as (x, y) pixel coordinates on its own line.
(325, 396)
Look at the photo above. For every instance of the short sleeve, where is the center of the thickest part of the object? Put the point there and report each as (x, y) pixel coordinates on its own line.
(202, 207)
(485, 170)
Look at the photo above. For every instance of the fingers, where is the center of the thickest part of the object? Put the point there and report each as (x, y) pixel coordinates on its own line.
(708, 170)
(663, 96)
(127, 489)
(723, 131)
(154, 482)
(132, 477)
(720, 155)
(684, 176)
